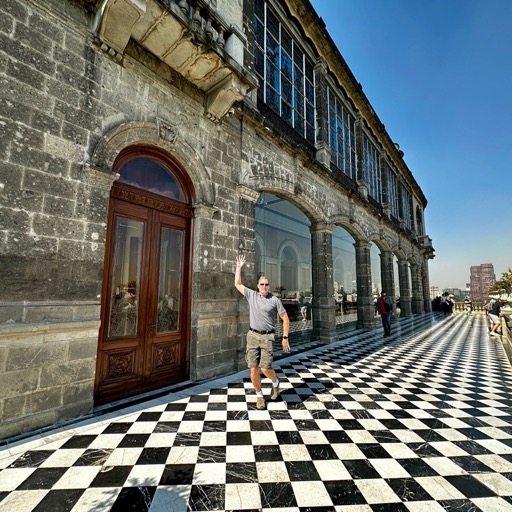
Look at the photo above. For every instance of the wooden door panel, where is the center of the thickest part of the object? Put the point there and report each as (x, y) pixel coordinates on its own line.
(166, 348)
(145, 315)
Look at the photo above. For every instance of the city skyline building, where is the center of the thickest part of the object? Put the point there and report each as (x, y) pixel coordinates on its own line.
(482, 277)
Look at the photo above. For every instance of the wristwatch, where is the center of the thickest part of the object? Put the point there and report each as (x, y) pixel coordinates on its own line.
(285, 337)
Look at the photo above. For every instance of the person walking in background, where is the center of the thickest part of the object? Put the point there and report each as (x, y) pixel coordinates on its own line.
(494, 317)
(384, 307)
(468, 305)
(263, 307)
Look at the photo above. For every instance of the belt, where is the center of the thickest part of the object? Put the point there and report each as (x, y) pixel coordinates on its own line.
(262, 332)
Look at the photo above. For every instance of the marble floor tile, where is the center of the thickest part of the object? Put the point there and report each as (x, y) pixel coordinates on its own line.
(417, 422)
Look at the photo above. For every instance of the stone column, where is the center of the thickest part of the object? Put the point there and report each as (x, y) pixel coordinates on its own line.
(323, 305)
(386, 273)
(405, 287)
(417, 289)
(323, 149)
(426, 287)
(365, 314)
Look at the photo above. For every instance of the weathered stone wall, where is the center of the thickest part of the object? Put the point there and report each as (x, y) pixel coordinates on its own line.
(46, 374)
(66, 110)
(59, 96)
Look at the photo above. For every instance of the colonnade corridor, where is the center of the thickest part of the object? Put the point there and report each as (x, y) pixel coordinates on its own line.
(420, 421)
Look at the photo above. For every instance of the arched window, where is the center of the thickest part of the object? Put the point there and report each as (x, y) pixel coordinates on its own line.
(150, 175)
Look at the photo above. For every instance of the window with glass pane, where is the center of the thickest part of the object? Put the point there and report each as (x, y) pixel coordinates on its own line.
(171, 257)
(392, 192)
(125, 285)
(342, 135)
(344, 273)
(376, 272)
(372, 169)
(286, 74)
(283, 252)
(151, 175)
(406, 207)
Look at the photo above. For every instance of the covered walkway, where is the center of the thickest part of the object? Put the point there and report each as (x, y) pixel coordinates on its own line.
(420, 422)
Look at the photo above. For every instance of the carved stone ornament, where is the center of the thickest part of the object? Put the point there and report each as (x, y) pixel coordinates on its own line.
(167, 132)
(248, 193)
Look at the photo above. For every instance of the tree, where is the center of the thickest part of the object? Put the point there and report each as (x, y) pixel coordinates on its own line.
(504, 285)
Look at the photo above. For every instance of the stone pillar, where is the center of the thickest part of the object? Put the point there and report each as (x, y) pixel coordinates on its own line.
(426, 287)
(417, 289)
(386, 273)
(323, 306)
(323, 153)
(246, 245)
(405, 287)
(365, 313)
(214, 343)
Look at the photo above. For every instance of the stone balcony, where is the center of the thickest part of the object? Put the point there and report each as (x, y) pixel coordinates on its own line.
(426, 244)
(191, 37)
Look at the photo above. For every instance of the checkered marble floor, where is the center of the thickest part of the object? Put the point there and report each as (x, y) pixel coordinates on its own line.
(420, 421)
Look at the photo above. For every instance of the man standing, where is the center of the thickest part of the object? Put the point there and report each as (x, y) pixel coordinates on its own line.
(263, 307)
(384, 306)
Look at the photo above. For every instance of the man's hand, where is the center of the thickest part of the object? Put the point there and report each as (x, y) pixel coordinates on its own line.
(240, 262)
(286, 345)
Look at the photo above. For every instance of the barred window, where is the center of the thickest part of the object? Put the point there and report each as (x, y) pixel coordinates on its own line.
(285, 72)
(372, 169)
(342, 135)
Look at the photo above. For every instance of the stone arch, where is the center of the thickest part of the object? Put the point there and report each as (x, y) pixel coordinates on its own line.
(381, 244)
(159, 135)
(295, 195)
(398, 252)
(351, 227)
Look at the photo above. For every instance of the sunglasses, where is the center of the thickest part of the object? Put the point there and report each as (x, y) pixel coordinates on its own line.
(262, 284)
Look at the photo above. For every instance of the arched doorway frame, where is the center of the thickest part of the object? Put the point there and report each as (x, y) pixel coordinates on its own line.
(160, 135)
(165, 138)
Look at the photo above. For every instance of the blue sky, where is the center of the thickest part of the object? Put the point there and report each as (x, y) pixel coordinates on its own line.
(438, 73)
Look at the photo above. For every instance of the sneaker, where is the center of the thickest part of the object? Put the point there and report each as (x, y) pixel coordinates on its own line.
(260, 403)
(275, 392)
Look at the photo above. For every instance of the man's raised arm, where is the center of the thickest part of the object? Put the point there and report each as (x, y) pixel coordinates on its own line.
(240, 262)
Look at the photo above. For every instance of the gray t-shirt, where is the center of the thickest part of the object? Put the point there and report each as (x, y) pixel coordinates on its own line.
(262, 310)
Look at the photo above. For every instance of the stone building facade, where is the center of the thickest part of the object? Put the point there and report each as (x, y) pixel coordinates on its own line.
(137, 137)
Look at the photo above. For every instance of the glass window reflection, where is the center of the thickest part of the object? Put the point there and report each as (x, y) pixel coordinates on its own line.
(150, 175)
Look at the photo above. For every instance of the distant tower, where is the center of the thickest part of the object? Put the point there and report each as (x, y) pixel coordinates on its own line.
(482, 278)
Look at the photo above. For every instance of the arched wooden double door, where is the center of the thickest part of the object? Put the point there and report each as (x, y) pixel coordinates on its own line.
(144, 334)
